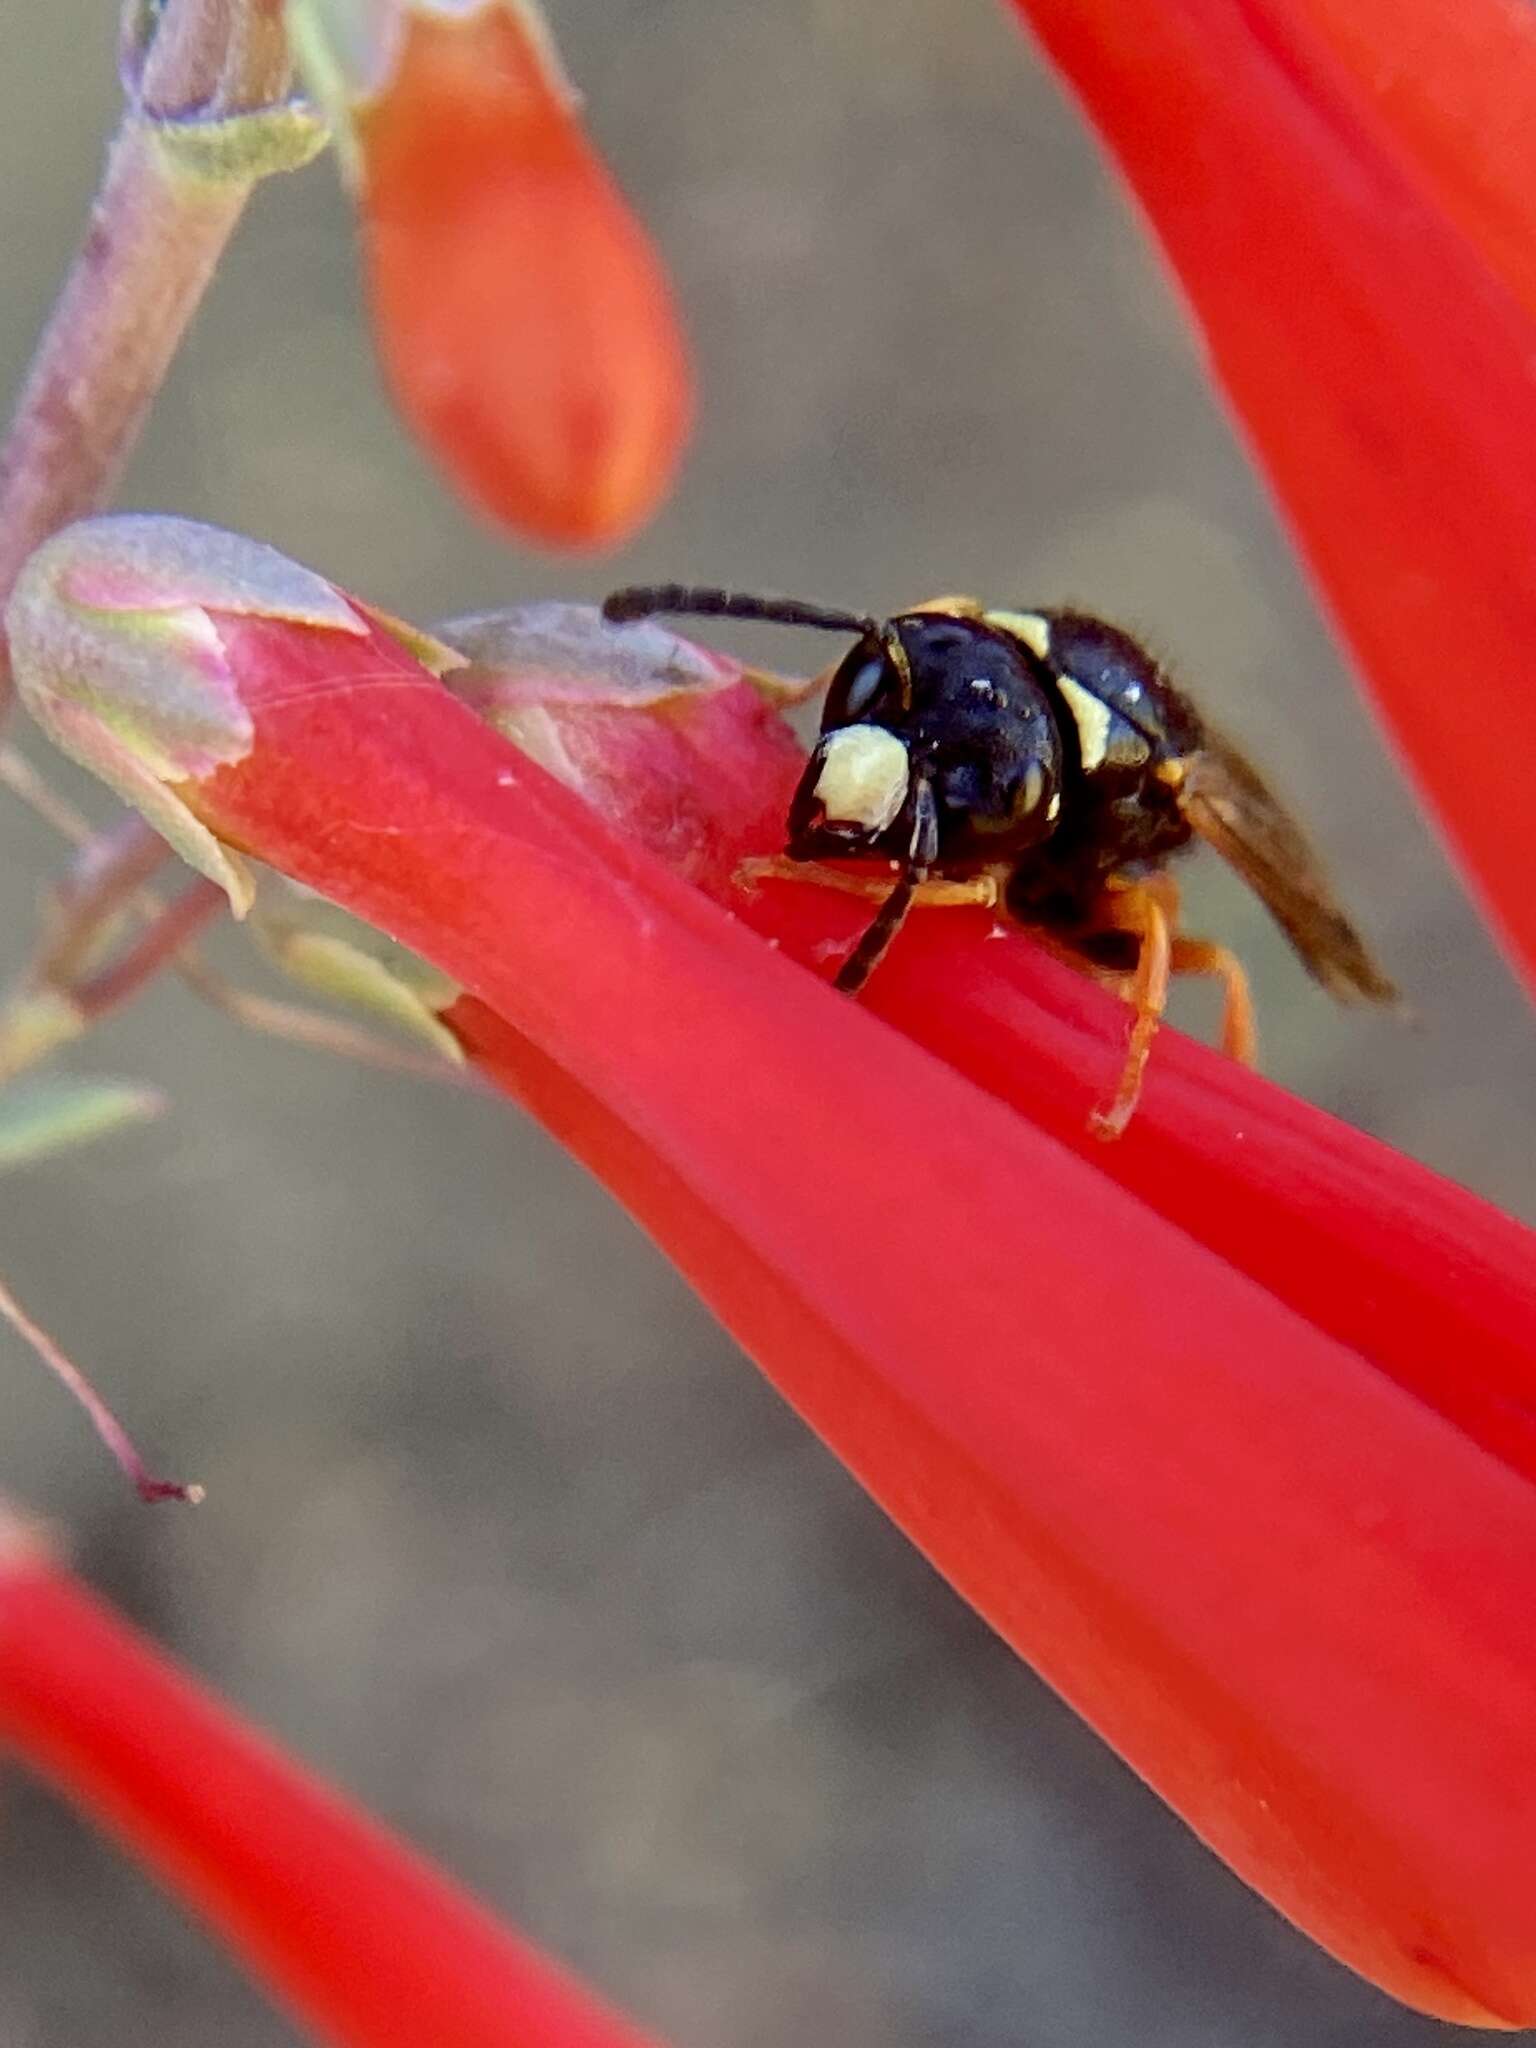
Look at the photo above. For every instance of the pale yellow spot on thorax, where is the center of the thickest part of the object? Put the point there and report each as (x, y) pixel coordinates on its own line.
(1029, 627)
(1091, 719)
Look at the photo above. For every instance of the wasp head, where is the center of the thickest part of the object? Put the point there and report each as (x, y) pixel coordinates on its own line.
(938, 704)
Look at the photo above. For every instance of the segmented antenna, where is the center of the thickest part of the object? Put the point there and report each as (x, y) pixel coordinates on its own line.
(706, 601)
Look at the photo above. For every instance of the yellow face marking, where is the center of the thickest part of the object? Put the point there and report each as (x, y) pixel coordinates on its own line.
(1171, 772)
(1029, 627)
(1091, 719)
(865, 771)
(952, 607)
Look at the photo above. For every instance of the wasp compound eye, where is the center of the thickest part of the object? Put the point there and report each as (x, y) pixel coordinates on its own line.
(853, 699)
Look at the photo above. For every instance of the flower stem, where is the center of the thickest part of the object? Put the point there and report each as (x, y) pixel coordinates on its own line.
(111, 867)
(161, 942)
(103, 1421)
(157, 228)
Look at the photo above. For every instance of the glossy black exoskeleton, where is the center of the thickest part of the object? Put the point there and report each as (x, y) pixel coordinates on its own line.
(1045, 760)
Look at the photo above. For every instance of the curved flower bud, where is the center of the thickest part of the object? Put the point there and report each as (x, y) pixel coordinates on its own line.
(113, 628)
(524, 320)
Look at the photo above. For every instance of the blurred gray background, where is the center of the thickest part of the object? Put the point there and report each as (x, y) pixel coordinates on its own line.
(501, 1532)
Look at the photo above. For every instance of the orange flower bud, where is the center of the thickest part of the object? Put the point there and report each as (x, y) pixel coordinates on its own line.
(524, 320)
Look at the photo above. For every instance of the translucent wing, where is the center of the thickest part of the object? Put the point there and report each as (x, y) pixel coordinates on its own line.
(1228, 805)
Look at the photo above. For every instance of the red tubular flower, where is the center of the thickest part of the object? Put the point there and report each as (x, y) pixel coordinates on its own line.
(1375, 1250)
(1292, 1593)
(1294, 157)
(1452, 94)
(1205, 1522)
(1418, 1274)
(524, 320)
(358, 1937)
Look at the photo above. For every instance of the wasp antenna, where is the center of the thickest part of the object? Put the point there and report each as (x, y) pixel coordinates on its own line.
(645, 600)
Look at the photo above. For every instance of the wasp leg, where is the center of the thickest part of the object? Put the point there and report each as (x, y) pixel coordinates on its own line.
(1160, 888)
(935, 893)
(1239, 1031)
(1139, 910)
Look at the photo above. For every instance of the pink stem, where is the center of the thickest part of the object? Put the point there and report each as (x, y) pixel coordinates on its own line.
(175, 927)
(103, 1421)
(154, 238)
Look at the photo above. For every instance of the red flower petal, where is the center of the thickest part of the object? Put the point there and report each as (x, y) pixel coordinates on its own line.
(1452, 89)
(524, 319)
(1390, 1258)
(1217, 1688)
(357, 1936)
(1436, 1287)
(1293, 1594)
(1294, 1597)
(1379, 365)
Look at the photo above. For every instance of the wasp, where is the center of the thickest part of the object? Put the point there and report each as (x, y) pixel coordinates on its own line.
(1041, 762)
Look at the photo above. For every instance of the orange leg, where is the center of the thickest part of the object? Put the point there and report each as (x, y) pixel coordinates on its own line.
(934, 893)
(1159, 887)
(1142, 911)
(1239, 1031)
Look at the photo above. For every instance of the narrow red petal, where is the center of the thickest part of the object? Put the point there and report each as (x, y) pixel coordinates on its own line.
(1452, 91)
(1436, 1287)
(524, 319)
(359, 1938)
(1388, 1257)
(1380, 367)
(1293, 1596)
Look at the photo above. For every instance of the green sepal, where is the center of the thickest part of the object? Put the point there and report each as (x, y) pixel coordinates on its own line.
(238, 149)
(435, 655)
(333, 954)
(34, 1025)
(46, 1117)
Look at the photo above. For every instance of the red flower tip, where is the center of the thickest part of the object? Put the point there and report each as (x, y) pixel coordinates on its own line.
(361, 1939)
(524, 319)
